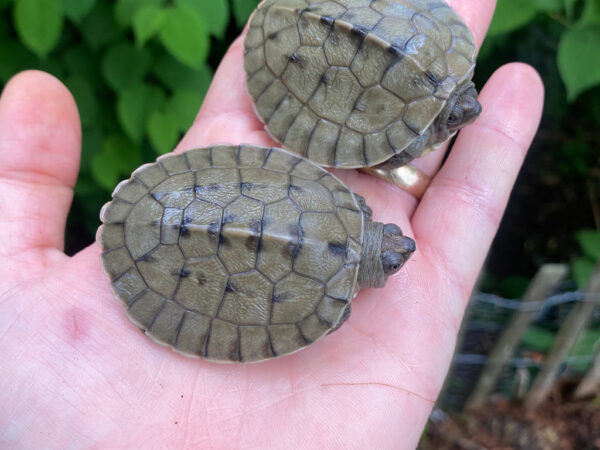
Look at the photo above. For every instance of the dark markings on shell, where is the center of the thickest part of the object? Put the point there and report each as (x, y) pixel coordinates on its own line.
(337, 248)
(229, 287)
(432, 78)
(206, 340)
(304, 338)
(208, 188)
(359, 31)
(328, 322)
(184, 231)
(184, 273)
(238, 349)
(253, 239)
(278, 298)
(246, 186)
(213, 230)
(146, 258)
(272, 35)
(228, 218)
(273, 352)
(223, 240)
(201, 279)
(394, 51)
(327, 21)
(323, 78)
(341, 300)
(295, 188)
(298, 247)
(294, 58)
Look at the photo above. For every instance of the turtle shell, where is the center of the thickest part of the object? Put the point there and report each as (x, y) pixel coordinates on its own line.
(351, 83)
(233, 253)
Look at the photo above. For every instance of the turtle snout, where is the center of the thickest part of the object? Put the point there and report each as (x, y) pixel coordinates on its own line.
(407, 246)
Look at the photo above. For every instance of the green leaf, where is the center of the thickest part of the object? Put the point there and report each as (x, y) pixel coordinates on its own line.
(162, 131)
(38, 24)
(582, 269)
(242, 10)
(579, 59)
(589, 240)
(512, 14)
(548, 5)
(125, 10)
(85, 99)
(183, 106)
(134, 107)
(90, 147)
(81, 61)
(537, 339)
(586, 345)
(570, 8)
(214, 13)
(513, 286)
(105, 170)
(177, 76)
(124, 65)
(86, 185)
(591, 12)
(99, 27)
(116, 160)
(146, 23)
(184, 35)
(77, 9)
(14, 58)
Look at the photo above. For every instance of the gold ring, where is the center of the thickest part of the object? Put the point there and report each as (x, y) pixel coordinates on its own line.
(408, 178)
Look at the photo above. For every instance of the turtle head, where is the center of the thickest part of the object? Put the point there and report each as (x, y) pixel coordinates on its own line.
(395, 249)
(385, 250)
(461, 110)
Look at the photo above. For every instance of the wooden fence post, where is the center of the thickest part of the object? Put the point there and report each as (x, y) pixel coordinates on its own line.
(546, 279)
(590, 385)
(570, 330)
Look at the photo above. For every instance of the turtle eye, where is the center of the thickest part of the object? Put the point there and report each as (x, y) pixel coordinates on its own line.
(455, 118)
(392, 262)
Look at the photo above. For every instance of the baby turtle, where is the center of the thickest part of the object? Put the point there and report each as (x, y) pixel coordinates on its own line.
(357, 83)
(242, 253)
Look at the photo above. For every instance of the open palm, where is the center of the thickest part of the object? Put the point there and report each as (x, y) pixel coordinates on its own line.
(75, 372)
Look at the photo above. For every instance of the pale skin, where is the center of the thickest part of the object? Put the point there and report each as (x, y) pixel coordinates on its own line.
(74, 372)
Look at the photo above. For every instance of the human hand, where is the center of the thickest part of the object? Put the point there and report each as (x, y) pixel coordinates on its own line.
(75, 372)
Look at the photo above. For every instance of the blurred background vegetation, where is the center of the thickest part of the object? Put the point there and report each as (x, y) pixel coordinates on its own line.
(139, 70)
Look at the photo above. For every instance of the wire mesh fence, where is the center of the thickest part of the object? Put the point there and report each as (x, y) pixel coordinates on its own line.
(488, 321)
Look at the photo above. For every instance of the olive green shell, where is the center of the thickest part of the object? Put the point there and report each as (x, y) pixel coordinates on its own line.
(351, 83)
(233, 253)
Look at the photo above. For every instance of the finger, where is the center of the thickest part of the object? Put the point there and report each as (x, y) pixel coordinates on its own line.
(476, 15)
(460, 212)
(40, 139)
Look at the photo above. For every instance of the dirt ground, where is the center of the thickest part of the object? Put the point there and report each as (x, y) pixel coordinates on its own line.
(502, 424)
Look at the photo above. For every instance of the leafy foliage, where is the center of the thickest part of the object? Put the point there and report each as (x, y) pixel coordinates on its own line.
(138, 69)
(578, 56)
(582, 267)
